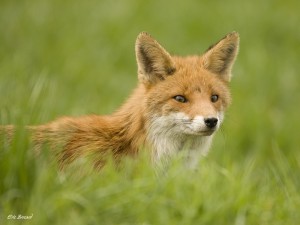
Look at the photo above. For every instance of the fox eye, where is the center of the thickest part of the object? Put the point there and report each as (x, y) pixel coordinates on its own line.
(180, 98)
(214, 98)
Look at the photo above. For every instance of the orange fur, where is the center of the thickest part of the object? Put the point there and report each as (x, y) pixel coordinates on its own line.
(137, 122)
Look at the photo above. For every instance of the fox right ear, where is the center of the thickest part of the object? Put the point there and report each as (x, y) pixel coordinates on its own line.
(220, 58)
(154, 62)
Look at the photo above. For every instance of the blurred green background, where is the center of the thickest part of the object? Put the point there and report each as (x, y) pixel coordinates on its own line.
(77, 57)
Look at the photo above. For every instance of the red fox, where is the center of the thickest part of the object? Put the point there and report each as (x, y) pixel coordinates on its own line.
(179, 103)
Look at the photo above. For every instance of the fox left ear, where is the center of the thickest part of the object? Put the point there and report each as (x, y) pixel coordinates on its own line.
(220, 58)
(154, 62)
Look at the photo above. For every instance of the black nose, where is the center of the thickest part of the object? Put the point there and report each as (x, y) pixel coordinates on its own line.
(211, 122)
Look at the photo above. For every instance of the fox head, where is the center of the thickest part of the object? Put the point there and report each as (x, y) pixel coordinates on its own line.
(185, 95)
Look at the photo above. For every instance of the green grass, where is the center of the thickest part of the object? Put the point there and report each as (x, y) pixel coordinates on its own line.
(77, 57)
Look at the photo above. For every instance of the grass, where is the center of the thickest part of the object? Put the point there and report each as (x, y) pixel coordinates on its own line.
(77, 57)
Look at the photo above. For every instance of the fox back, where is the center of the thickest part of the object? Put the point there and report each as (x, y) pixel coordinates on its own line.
(179, 104)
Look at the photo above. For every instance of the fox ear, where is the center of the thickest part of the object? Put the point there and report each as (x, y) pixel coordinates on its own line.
(220, 57)
(154, 62)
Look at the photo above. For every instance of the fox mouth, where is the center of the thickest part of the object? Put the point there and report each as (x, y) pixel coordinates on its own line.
(208, 132)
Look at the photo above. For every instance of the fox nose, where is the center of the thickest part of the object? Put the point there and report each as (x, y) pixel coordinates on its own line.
(211, 122)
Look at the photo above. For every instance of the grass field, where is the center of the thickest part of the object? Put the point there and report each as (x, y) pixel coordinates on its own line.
(77, 57)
